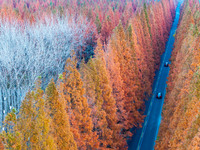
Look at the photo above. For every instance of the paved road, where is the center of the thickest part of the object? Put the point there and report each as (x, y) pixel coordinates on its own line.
(144, 138)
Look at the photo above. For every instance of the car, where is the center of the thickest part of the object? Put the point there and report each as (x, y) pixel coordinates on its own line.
(166, 64)
(159, 95)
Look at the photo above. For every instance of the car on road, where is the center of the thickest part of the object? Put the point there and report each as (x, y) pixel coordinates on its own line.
(166, 64)
(159, 95)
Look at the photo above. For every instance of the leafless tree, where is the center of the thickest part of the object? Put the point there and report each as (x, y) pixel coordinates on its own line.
(31, 51)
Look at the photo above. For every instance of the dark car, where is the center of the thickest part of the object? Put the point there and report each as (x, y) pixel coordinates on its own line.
(166, 64)
(159, 95)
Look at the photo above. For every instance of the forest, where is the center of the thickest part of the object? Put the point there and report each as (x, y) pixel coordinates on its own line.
(75, 74)
(180, 126)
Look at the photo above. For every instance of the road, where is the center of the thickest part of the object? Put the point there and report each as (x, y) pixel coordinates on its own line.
(144, 138)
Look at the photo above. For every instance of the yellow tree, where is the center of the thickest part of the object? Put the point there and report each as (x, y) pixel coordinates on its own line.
(77, 106)
(34, 123)
(93, 94)
(11, 138)
(60, 119)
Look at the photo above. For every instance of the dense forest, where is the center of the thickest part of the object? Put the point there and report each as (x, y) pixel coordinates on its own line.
(74, 74)
(180, 126)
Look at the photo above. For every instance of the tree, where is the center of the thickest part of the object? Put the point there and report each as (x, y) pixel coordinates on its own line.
(109, 103)
(36, 50)
(99, 92)
(132, 43)
(134, 118)
(77, 104)
(142, 54)
(34, 123)
(116, 82)
(98, 24)
(181, 119)
(60, 121)
(93, 93)
(11, 138)
(106, 30)
(147, 44)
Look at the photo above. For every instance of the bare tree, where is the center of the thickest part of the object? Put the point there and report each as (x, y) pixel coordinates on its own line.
(31, 51)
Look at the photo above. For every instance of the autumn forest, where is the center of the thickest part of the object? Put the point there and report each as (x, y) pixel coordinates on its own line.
(76, 74)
